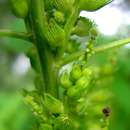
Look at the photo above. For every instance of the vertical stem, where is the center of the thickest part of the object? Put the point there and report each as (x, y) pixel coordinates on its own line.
(48, 68)
(44, 51)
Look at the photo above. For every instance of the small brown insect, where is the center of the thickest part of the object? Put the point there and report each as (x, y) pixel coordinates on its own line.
(106, 111)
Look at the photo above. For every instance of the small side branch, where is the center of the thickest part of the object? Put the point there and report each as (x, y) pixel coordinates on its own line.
(17, 35)
(71, 57)
(112, 45)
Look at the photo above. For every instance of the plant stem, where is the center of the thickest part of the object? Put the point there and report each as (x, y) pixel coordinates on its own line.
(72, 19)
(50, 73)
(112, 45)
(71, 57)
(102, 48)
(18, 35)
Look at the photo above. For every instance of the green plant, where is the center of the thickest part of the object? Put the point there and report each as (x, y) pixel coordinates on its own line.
(64, 98)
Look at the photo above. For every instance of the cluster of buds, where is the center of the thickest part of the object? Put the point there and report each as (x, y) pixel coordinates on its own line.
(77, 81)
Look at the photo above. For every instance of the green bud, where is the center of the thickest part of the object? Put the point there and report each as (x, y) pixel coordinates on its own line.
(54, 34)
(59, 17)
(19, 8)
(79, 87)
(36, 108)
(73, 92)
(52, 104)
(45, 127)
(87, 72)
(65, 81)
(75, 72)
(83, 82)
(92, 5)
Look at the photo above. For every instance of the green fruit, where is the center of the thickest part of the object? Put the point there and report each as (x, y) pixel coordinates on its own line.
(19, 8)
(45, 127)
(65, 81)
(75, 72)
(92, 5)
(52, 104)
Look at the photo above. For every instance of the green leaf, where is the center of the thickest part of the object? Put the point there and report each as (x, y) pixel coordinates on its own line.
(83, 27)
(92, 5)
(19, 8)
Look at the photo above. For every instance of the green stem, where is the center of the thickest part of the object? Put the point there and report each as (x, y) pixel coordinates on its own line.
(46, 57)
(71, 57)
(102, 48)
(112, 45)
(18, 35)
(72, 19)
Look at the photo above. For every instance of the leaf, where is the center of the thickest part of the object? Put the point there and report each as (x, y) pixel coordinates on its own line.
(92, 5)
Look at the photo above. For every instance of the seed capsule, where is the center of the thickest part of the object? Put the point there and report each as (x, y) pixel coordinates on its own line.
(92, 5)
(52, 104)
(19, 8)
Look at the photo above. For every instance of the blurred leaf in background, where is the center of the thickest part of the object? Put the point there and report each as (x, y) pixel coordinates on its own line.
(14, 114)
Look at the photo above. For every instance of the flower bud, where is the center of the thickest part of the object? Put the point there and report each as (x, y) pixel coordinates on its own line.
(59, 17)
(73, 92)
(52, 104)
(19, 8)
(54, 34)
(75, 72)
(65, 81)
(83, 82)
(87, 72)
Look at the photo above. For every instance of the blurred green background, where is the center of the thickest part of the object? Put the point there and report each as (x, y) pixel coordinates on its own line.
(15, 71)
